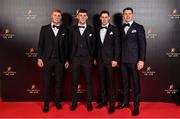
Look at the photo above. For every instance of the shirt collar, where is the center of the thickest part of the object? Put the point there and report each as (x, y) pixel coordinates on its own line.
(130, 23)
(53, 24)
(105, 25)
(85, 25)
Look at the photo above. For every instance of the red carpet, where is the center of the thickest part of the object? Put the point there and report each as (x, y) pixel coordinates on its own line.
(34, 109)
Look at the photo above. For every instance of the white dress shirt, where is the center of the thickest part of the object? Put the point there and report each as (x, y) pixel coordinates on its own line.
(103, 32)
(55, 30)
(81, 30)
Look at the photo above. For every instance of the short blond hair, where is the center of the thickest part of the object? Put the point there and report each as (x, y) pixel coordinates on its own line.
(56, 10)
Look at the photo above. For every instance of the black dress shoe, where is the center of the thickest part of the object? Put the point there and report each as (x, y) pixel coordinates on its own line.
(101, 104)
(58, 106)
(46, 107)
(73, 106)
(89, 106)
(111, 110)
(135, 111)
(123, 105)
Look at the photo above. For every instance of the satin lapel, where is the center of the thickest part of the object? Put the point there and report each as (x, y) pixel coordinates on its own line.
(99, 36)
(131, 28)
(107, 33)
(59, 32)
(77, 32)
(86, 34)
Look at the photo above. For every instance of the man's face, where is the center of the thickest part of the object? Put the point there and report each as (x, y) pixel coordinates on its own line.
(127, 15)
(104, 18)
(56, 17)
(82, 18)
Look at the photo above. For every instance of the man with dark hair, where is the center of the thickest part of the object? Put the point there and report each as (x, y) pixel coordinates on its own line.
(82, 45)
(107, 58)
(52, 55)
(128, 8)
(133, 52)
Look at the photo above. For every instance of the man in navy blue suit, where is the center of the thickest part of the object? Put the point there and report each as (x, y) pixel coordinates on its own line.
(133, 52)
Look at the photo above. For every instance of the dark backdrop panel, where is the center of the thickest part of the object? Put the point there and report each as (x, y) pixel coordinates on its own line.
(20, 24)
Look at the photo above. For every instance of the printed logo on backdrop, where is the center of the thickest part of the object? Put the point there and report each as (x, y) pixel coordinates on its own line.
(148, 71)
(31, 53)
(171, 90)
(30, 15)
(80, 89)
(174, 14)
(173, 53)
(33, 89)
(9, 71)
(7, 34)
(150, 34)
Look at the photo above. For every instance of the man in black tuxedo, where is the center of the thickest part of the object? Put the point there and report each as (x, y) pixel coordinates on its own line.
(52, 56)
(108, 51)
(82, 45)
(133, 52)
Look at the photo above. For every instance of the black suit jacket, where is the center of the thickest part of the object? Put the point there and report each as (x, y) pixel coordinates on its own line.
(73, 40)
(110, 49)
(133, 44)
(46, 44)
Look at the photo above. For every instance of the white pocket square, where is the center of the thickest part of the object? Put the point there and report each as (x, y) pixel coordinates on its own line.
(133, 31)
(111, 33)
(90, 35)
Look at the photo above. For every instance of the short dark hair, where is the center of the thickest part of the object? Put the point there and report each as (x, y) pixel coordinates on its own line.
(56, 10)
(82, 11)
(104, 12)
(128, 8)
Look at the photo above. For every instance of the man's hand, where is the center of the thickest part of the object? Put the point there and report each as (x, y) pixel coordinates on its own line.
(66, 65)
(114, 63)
(40, 63)
(140, 65)
(95, 62)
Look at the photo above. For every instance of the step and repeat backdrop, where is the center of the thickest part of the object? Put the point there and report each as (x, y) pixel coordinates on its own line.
(20, 23)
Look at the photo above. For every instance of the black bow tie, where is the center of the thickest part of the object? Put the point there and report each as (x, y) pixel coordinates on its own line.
(81, 27)
(126, 24)
(54, 26)
(103, 27)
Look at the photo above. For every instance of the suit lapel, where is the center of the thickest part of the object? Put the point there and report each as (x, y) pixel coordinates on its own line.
(86, 34)
(59, 32)
(51, 33)
(85, 31)
(99, 36)
(131, 28)
(77, 32)
(107, 33)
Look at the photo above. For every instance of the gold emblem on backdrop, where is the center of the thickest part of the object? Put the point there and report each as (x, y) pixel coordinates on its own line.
(33, 89)
(7, 34)
(173, 53)
(9, 71)
(148, 71)
(150, 34)
(31, 52)
(80, 89)
(174, 14)
(30, 14)
(171, 90)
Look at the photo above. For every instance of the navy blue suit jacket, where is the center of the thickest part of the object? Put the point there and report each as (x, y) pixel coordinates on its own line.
(133, 43)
